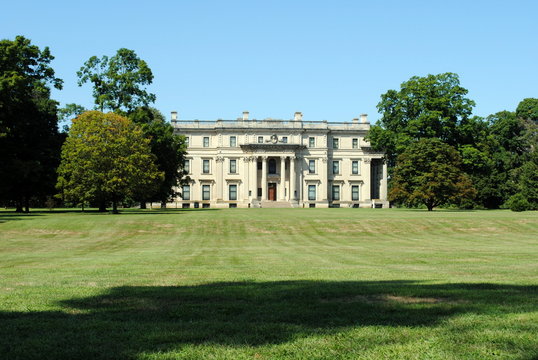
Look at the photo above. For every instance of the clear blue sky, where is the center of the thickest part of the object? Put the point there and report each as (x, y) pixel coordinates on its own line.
(329, 59)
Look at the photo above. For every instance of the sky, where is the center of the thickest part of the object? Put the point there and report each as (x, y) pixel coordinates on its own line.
(331, 60)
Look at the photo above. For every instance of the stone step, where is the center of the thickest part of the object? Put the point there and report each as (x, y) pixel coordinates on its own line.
(275, 204)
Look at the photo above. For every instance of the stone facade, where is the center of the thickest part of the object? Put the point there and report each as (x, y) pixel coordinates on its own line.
(281, 163)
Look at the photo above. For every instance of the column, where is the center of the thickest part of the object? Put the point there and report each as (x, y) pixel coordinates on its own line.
(219, 177)
(293, 179)
(383, 183)
(323, 179)
(246, 177)
(254, 178)
(366, 174)
(264, 178)
(282, 178)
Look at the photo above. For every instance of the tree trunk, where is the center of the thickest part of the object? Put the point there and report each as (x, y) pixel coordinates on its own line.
(18, 206)
(163, 204)
(102, 206)
(26, 204)
(143, 205)
(114, 207)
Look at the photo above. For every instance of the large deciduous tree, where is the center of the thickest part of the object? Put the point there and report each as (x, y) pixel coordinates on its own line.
(429, 172)
(169, 150)
(106, 158)
(29, 138)
(118, 81)
(434, 106)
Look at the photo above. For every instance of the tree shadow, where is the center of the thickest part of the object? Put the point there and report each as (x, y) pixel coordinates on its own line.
(126, 321)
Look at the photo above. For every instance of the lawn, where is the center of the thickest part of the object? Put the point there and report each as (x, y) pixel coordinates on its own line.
(269, 284)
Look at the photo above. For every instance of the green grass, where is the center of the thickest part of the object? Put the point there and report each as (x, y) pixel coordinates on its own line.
(269, 284)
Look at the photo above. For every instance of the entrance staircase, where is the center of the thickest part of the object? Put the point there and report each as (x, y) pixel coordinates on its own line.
(275, 204)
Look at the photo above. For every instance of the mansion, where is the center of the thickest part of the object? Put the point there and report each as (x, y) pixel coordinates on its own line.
(280, 163)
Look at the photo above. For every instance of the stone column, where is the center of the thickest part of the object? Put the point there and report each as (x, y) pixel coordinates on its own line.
(246, 177)
(282, 178)
(367, 180)
(264, 178)
(293, 179)
(219, 177)
(254, 179)
(383, 183)
(323, 179)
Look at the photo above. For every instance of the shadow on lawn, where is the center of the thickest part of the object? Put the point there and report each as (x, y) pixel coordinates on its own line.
(126, 321)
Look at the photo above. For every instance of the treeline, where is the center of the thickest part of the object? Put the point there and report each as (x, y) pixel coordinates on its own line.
(126, 156)
(440, 154)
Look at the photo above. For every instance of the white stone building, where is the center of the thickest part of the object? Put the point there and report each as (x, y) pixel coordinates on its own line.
(281, 163)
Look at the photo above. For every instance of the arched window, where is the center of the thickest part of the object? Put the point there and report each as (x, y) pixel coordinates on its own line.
(272, 166)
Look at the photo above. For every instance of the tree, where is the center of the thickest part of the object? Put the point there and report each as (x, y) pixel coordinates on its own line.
(105, 158)
(169, 150)
(117, 81)
(429, 172)
(527, 109)
(29, 138)
(434, 106)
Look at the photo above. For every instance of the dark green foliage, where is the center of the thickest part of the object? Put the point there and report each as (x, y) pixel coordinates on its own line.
(518, 202)
(29, 138)
(527, 109)
(117, 81)
(429, 172)
(169, 150)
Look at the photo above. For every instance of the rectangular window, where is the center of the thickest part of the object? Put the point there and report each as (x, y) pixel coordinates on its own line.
(336, 192)
(284, 139)
(206, 195)
(335, 143)
(311, 192)
(232, 194)
(311, 166)
(186, 192)
(187, 166)
(355, 167)
(355, 192)
(186, 141)
(206, 141)
(205, 167)
(355, 144)
(233, 166)
(259, 165)
(233, 141)
(260, 139)
(311, 142)
(336, 167)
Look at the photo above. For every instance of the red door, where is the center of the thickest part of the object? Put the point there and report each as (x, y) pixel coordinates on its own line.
(272, 192)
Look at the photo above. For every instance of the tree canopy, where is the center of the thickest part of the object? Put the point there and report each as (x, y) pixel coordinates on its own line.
(106, 157)
(429, 172)
(29, 138)
(118, 81)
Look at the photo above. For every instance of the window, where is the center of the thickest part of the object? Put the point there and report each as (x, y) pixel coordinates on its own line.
(272, 166)
(205, 167)
(260, 139)
(335, 143)
(206, 195)
(311, 166)
(233, 141)
(355, 167)
(232, 192)
(233, 166)
(186, 192)
(336, 192)
(311, 192)
(187, 166)
(355, 192)
(336, 167)
(311, 142)
(355, 143)
(284, 139)
(186, 205)
(259, 165)
(206, 141)
(186, 141)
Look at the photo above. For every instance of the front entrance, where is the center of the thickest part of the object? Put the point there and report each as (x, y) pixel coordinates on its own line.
(272, 192)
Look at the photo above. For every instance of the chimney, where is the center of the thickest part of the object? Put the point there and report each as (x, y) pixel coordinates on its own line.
(364, 119)
(174, 115)
(245, 115)
(355, 120)
(298, 116)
